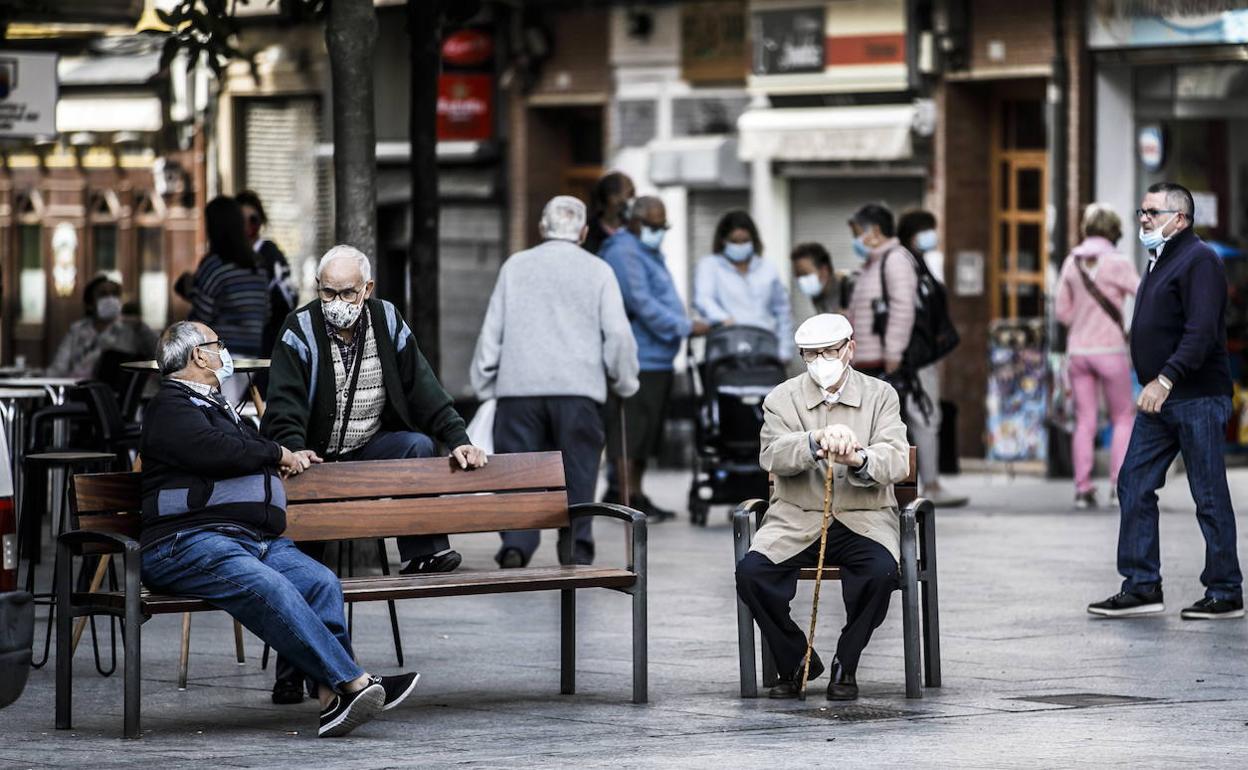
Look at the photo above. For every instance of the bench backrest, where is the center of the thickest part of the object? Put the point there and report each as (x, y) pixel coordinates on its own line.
(381, 498)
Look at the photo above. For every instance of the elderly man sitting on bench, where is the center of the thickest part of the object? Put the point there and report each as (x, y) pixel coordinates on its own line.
(214, 509)
(829, 416)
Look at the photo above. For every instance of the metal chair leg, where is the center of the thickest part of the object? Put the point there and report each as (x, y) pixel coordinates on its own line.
(910, 604)
(745, 618)
(929, 597)
(184, 657)
(238, 643)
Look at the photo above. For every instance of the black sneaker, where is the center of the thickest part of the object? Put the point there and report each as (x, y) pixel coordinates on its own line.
(287, 692)
(442, 561)
(1214, 609)
(511, 558)
(1126, 604)
(1086, 501)
(397, 688)
(347, 712)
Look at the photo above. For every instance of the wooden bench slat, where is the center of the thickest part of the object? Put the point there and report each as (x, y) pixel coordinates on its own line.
(427, 516)
(97, 493)
(460, 583)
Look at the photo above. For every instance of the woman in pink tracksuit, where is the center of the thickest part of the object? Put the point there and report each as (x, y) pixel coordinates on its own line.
(1093, 288)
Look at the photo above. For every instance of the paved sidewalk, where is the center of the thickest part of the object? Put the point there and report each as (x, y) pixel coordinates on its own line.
(1016, 569)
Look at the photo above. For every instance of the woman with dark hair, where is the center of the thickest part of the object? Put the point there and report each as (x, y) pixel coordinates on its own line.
(735, 284)
(230, 290)
(105, 328)
(283, 296)
(609, 205)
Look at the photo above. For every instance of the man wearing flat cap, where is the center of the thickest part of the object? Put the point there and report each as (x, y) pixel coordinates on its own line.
(829, 417)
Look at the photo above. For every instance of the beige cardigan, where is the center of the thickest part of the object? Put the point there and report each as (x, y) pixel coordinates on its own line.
(869, 407)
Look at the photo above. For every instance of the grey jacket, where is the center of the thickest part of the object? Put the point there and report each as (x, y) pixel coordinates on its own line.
(866, 506)
(555, 326)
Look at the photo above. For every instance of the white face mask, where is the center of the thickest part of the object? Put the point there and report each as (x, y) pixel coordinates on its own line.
(810, 284)
(826, 373)
(226, 371)
(342, 314)
(108, 308)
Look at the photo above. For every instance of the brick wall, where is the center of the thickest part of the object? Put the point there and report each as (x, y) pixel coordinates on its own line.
(961, 157)
(1024, 28)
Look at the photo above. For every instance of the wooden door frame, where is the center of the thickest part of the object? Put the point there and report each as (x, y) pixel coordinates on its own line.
(1017, 160)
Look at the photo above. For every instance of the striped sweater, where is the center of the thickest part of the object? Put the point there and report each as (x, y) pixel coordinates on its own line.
(234, 301)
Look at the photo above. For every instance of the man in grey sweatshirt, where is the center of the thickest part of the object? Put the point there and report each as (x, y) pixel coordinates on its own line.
(555, 338)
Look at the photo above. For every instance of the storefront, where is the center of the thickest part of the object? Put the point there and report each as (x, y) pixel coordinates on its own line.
(1172, 104)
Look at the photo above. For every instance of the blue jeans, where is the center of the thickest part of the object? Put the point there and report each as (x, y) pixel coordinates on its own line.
(280, 594)
(1196, 427)
(397, 445)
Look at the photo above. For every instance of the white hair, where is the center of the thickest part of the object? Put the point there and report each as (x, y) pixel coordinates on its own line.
(343, 251)
(173, 351)
(563, 219)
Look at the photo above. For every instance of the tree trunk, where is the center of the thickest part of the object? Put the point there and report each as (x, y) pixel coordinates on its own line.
(351, 35)
(425, 29)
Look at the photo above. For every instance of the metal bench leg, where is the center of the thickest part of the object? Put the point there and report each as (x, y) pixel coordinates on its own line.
(384, 561)
(184, 657)
(134, 621)
(910, 605)
(238, 643)
(641, 634)
(567, 641)
(745, 618)
(64, 651)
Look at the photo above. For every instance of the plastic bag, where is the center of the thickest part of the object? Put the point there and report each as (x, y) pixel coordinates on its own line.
(481, 429)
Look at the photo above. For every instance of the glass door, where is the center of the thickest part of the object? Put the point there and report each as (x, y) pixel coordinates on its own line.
(1020, 187)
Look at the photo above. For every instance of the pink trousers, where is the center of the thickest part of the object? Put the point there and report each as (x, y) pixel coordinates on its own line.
(1089, 376)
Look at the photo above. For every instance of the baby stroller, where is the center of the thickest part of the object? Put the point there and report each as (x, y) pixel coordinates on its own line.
(739, 366)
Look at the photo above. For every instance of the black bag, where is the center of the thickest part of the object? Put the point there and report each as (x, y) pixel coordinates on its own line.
(933, 336)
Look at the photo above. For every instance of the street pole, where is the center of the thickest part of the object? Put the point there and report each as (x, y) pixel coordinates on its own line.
(1058, 93)
(351, 37)
(425, 19)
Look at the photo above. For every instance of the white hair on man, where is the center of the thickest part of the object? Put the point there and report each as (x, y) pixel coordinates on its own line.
(343, 251)
(173, 351)
(563, 219)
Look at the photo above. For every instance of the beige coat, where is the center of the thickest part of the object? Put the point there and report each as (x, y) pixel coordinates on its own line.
(869, 407)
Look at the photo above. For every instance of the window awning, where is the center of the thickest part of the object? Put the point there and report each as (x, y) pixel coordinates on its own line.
(108, 113)
(827, 133)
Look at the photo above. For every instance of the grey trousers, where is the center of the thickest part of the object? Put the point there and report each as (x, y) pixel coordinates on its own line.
(569, 424)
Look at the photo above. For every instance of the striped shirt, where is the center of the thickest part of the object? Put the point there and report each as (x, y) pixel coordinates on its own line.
(234, 301)
(369, 402)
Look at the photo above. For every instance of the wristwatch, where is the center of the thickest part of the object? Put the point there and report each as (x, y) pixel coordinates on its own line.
(1165, 382)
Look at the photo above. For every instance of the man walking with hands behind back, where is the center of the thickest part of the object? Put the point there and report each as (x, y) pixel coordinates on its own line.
(1178, 347)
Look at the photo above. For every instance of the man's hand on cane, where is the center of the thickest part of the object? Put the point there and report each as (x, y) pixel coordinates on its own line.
(839, 444)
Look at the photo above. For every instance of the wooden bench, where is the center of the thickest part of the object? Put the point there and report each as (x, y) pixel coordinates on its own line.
(920, 613)
(341, 501)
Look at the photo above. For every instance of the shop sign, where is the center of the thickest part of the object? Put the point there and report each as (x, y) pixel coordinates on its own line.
(28, 93)
(467, 48)
(1151, 146)
(1206, 208)
(1152, 23)
(712, 41)
(831, 47)
(788, 42)
(969, 274)
(465, 107)
(64, 259)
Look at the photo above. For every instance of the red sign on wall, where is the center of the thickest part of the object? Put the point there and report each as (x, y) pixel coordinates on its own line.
(467, 48)
(465, 107)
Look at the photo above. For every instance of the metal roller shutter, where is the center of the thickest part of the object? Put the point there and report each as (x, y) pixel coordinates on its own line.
(821, 209)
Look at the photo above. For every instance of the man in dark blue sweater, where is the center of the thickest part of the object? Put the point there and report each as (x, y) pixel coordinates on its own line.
(1178, 347)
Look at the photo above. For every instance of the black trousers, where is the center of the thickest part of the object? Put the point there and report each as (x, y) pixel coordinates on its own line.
(868, 579)
(568, 424)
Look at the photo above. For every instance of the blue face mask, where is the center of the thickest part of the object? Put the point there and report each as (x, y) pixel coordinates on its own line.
(1152, 239)
(926, 240)
(738, 252)
(861, 249)
(652, 237)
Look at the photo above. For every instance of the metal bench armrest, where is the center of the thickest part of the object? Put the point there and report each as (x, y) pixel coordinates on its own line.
(115, 543)
(636, 521)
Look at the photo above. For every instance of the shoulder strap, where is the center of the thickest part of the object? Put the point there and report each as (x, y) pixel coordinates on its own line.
(1110, 310)
(884, 276)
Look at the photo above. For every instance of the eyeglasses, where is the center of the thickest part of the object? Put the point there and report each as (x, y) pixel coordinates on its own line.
(218, 341)
(1152, 213)
(827, 354)
(329, 295)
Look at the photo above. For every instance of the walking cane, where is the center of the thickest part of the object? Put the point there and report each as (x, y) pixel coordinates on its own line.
(814, 610)
(621, 468)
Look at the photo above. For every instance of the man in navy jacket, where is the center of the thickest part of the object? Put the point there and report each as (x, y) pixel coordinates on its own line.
(1178, 347)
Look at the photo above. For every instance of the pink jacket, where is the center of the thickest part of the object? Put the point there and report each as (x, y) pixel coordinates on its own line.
(903, 287)
(1092, 331)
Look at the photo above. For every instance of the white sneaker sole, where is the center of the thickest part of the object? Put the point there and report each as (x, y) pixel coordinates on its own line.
(1187, 615)
(403, 695)
(1143, 609)
(366, 706)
